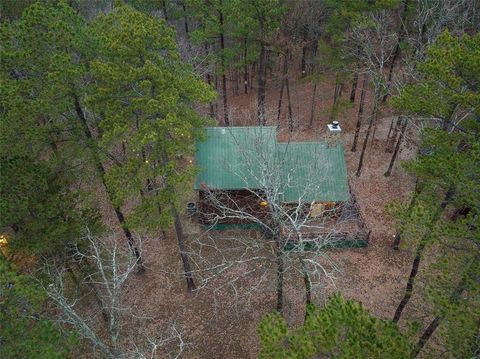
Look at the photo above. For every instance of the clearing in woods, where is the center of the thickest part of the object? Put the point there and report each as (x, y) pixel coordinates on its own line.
(217, 324)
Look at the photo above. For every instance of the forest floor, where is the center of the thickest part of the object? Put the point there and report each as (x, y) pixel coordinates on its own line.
(214, 323)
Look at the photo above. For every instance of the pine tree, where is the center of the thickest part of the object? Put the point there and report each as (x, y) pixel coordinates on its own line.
(145, 96)
(260, 19)
(26, 333)
(342, 328)
(42, 200)
(444, 215)
(343, 49)
(215, 27)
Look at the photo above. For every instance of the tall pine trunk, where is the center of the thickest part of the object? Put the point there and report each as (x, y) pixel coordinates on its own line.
(280, 271)
(287, 87)
(101, 170)
(373, 118)
(312, 106)
(252, 75)
(235, 81)
(396, 53)
(209, 81)
(397, 148)
(453, 298)
(360, 112)
(183, 254)
(185, 22)
(164, 8)
(411, 281)
(375, 125)
(308, 287)
(354, 86)
(418, 257)
(211, 105)
(290, 114)
(245, 68)
(224, 77)
(426, 335)
(180, 238)
(390, 131)
(390, 128)
(391, 139)
(398, 235)
(307, 282)
(314, 92)
(336, 94)
(261, 84)
(313, 54)
(282, 86)
(303, 61)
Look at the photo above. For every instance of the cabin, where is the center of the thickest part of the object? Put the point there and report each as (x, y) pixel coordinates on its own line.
(237, 165)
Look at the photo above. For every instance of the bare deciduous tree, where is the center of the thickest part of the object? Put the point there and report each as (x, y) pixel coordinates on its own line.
(397, 147)
(293, 230)
(433, 17)
(112, 267)
(374, 46)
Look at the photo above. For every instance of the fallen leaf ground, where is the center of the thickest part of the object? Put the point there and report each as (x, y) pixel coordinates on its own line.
(216, 325)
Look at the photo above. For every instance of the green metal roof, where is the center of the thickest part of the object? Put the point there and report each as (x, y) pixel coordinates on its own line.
(226, 160)
(313, 171)
(249, 157)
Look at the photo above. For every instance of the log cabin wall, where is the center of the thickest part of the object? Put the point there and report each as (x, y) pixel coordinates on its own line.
(210, 203)
(249, 201)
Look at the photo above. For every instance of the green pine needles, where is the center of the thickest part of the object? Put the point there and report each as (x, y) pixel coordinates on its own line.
(340, 329)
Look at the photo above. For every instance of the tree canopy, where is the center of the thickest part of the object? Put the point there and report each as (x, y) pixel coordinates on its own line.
(103, 104)
(145, 97)
(41, 159)
(444, 217)
(341, 329)
(26, 332)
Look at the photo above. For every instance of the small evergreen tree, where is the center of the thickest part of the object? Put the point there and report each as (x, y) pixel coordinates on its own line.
(341, 329)
(25, 332)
